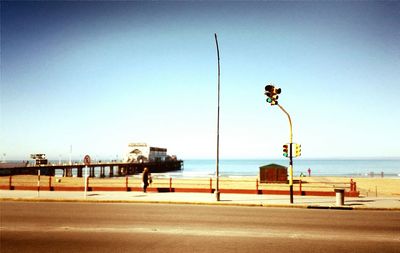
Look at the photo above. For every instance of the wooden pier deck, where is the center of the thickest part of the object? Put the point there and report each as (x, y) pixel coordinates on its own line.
(110, 169)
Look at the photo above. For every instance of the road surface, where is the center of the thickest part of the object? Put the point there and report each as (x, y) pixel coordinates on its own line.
(126, 227)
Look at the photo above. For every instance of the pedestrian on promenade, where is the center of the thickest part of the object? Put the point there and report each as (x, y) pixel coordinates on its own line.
(309, 172)
(146, 178)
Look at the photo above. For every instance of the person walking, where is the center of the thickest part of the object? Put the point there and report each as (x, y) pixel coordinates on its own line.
(146, 178)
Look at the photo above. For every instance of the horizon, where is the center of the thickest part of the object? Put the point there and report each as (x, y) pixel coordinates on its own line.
(78, 159)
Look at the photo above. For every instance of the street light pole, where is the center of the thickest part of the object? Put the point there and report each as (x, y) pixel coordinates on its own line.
(217, 193)
(290, 155)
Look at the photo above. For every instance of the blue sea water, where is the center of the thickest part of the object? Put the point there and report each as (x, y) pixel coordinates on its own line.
(318, 167)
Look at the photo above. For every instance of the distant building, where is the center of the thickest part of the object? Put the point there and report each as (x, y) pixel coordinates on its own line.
(141, 152)
(40, 159)
(273, 173)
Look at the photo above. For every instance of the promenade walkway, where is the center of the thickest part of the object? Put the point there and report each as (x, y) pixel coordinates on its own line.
(366, 203)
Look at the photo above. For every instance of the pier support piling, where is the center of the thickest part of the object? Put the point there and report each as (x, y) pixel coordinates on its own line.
(111, 171)
(102, 172)
(79, 172)
(91, 173)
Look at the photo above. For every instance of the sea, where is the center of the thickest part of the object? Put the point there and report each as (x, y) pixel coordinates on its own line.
(318, 167)
(200, 168)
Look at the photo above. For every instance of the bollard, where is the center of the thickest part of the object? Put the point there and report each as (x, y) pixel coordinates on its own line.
(257, 186)
(300, 187)
(85, 182)
(38, 183)
(170, 184)
(10, 183)
(211, 190)
(339, 196)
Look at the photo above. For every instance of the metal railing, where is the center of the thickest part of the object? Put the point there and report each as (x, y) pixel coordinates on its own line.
(134, 183)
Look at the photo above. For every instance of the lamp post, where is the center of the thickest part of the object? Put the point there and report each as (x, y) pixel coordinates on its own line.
(217, 193)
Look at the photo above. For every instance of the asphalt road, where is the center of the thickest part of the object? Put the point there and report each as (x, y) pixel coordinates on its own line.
(105, 227)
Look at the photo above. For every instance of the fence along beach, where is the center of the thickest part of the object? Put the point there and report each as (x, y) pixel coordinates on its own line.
(243, 174)
(378, 187)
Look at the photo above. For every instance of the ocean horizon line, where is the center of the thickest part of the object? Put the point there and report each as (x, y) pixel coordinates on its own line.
(338, 158)
(306, 158)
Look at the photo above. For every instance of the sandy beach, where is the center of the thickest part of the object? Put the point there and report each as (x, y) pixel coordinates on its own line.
(366, 186)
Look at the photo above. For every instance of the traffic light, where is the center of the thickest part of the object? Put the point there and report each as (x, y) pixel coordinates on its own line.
(298, 150)
(286, 150)
(272, 94)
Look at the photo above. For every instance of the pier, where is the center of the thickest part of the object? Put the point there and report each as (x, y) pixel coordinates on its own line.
(110, 169)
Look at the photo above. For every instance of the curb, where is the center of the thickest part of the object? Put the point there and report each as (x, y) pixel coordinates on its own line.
(395, 209)
(304, 206)
(137, 201)
(331, 207)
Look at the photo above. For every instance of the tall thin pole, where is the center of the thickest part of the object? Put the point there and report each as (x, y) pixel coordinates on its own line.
(85, 182)
(38, 183)
(217, 193)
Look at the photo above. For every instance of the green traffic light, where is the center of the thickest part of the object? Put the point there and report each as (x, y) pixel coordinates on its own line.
(269, 100)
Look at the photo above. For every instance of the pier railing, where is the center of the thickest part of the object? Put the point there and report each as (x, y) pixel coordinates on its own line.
(207, 185)
(99, 169)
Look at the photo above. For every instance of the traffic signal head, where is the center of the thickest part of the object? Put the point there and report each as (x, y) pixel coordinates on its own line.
(274, 98)
(269, 88)
(272, 94)
(298, 150)
(286, 150)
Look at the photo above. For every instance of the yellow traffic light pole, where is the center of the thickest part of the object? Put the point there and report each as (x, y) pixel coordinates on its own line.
(290, 155)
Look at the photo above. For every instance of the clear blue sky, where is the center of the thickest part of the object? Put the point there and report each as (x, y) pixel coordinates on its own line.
(98, 75)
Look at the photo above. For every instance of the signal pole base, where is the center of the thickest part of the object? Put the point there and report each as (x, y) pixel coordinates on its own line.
(217, 195)
(291, 194)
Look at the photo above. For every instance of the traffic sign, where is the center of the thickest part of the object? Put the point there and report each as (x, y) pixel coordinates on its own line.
(86, 160)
